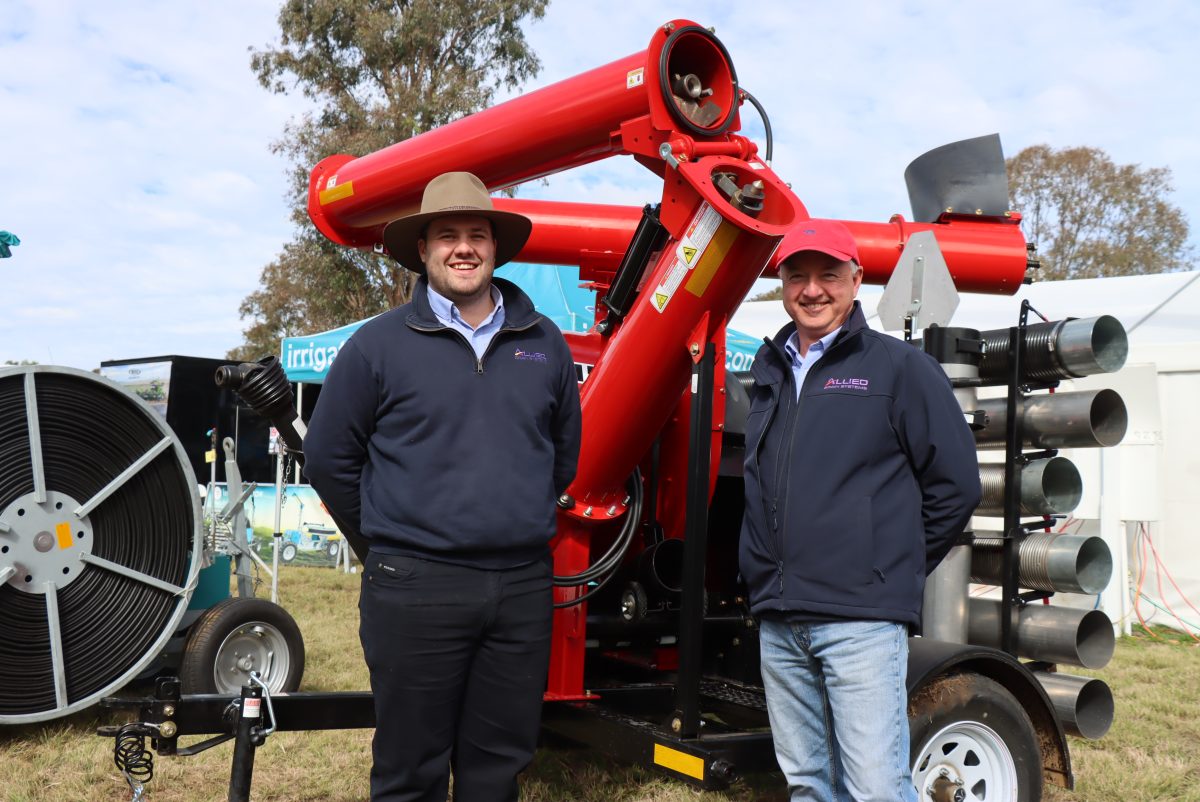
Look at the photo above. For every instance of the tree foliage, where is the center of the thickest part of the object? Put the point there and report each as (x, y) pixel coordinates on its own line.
(1091, 217)
(378, 72)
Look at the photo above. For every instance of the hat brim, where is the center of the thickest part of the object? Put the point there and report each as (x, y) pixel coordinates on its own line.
(400, 236)
(782, 256)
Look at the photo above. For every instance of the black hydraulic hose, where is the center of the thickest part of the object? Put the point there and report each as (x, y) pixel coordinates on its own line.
(606, 567)
(91, 433)
(766, 123)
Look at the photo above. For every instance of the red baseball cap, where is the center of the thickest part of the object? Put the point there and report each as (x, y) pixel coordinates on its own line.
(825, 236)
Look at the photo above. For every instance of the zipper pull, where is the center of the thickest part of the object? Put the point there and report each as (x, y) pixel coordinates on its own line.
(478, 366)
(780, 579)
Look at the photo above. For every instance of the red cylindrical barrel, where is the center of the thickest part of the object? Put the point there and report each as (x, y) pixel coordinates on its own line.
(982, 255)
(563, 125)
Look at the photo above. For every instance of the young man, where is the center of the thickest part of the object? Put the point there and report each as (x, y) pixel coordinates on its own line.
(445, 431)
(860, 473)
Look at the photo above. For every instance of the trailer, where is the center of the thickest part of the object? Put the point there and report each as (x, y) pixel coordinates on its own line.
(655, 652)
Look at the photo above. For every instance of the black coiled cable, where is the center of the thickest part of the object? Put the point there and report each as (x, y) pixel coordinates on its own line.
(130, 754)
(90, 433)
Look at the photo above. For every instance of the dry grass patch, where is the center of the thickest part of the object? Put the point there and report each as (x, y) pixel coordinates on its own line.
(1152, 753)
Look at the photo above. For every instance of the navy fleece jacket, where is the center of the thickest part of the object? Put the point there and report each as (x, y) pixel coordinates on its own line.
(855, 492)
(435, 454)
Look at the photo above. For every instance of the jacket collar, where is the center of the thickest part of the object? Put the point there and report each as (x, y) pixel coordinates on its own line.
(518, 309)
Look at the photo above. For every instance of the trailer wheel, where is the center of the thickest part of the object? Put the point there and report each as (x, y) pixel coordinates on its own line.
(971, 741)
(237, 636)
(333, 549)
(288, 551)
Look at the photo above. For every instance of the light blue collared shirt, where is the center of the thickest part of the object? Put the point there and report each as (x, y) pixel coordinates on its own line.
(802, 364)
(479, 338)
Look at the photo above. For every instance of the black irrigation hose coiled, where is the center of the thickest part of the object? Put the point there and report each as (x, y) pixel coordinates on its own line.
(90, 433)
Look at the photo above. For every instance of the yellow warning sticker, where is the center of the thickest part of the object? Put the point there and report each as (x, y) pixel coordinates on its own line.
(63, 532)
(707, 267)
(698, 234)
(210, 455)
(335, 192)
(673, 759)
(663, 292)
(634, 78)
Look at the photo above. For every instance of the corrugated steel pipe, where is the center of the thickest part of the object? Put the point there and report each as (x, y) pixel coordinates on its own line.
(1063, 349)
(1050, 561)
(1048, 487)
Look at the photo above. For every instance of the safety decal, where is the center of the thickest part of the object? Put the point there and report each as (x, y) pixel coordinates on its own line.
(681, 762)
(706, 268)
(699, 233)
(634, 78)
(663, 292)
(334, 191)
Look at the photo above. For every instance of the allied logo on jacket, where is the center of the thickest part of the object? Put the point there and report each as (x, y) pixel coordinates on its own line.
(528, 356)
(848, 384)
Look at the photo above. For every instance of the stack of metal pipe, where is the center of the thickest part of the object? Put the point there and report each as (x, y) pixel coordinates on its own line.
(1050, 562)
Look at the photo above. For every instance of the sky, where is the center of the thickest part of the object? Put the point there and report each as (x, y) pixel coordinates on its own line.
(137, 169)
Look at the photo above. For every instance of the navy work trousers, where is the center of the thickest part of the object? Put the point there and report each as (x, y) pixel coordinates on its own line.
(458, 659)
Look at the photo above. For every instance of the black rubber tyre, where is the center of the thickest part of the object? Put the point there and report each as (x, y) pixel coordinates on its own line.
(288, 552)
(969, 734)
(237, 636)
(333, 549)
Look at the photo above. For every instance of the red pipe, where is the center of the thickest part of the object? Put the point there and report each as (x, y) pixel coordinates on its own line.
(566, 124)
(984, 255)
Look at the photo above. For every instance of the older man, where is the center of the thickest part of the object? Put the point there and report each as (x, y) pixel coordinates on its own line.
(860, 473)
(445, 431)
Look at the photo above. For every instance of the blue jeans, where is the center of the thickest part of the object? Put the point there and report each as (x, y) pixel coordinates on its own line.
(838, 708)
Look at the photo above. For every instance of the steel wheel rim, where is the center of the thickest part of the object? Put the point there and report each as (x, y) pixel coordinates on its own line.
(253, 646)
(970, 753)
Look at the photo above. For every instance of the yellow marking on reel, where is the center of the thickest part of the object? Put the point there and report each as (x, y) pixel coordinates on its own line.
(63, 531)
(681, 762)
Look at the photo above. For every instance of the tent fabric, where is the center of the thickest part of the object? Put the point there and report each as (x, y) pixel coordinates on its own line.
(557, 294)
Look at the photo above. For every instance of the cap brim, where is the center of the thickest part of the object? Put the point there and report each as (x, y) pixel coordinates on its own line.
(782, 256)
(400, 236)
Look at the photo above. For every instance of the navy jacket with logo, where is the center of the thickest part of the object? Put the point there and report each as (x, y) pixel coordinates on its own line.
(855, 492)
(436, 454)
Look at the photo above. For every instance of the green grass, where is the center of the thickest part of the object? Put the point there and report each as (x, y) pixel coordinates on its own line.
(1152, 753)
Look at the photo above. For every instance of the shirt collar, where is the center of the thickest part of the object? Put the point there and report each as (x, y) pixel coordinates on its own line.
(792, 346)
(447, 312)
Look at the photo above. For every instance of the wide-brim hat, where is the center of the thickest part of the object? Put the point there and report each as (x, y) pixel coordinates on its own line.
(824, 236)
(451, 194)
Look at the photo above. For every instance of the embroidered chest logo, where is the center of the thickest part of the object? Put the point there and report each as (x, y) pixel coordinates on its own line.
(848, 384)
(528, 356)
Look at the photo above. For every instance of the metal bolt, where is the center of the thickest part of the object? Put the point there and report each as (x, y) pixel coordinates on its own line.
(676, 725)
(695, 348)
(669, 27)
(612, 510)
(588, 512)
(168, 710)
(168, 729)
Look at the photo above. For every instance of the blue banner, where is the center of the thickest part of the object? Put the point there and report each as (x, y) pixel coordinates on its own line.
(556, 292)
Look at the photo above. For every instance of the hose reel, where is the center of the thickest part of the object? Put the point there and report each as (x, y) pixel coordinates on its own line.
(100, 539)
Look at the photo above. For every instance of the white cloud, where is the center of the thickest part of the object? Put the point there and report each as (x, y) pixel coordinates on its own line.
(136, 142)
